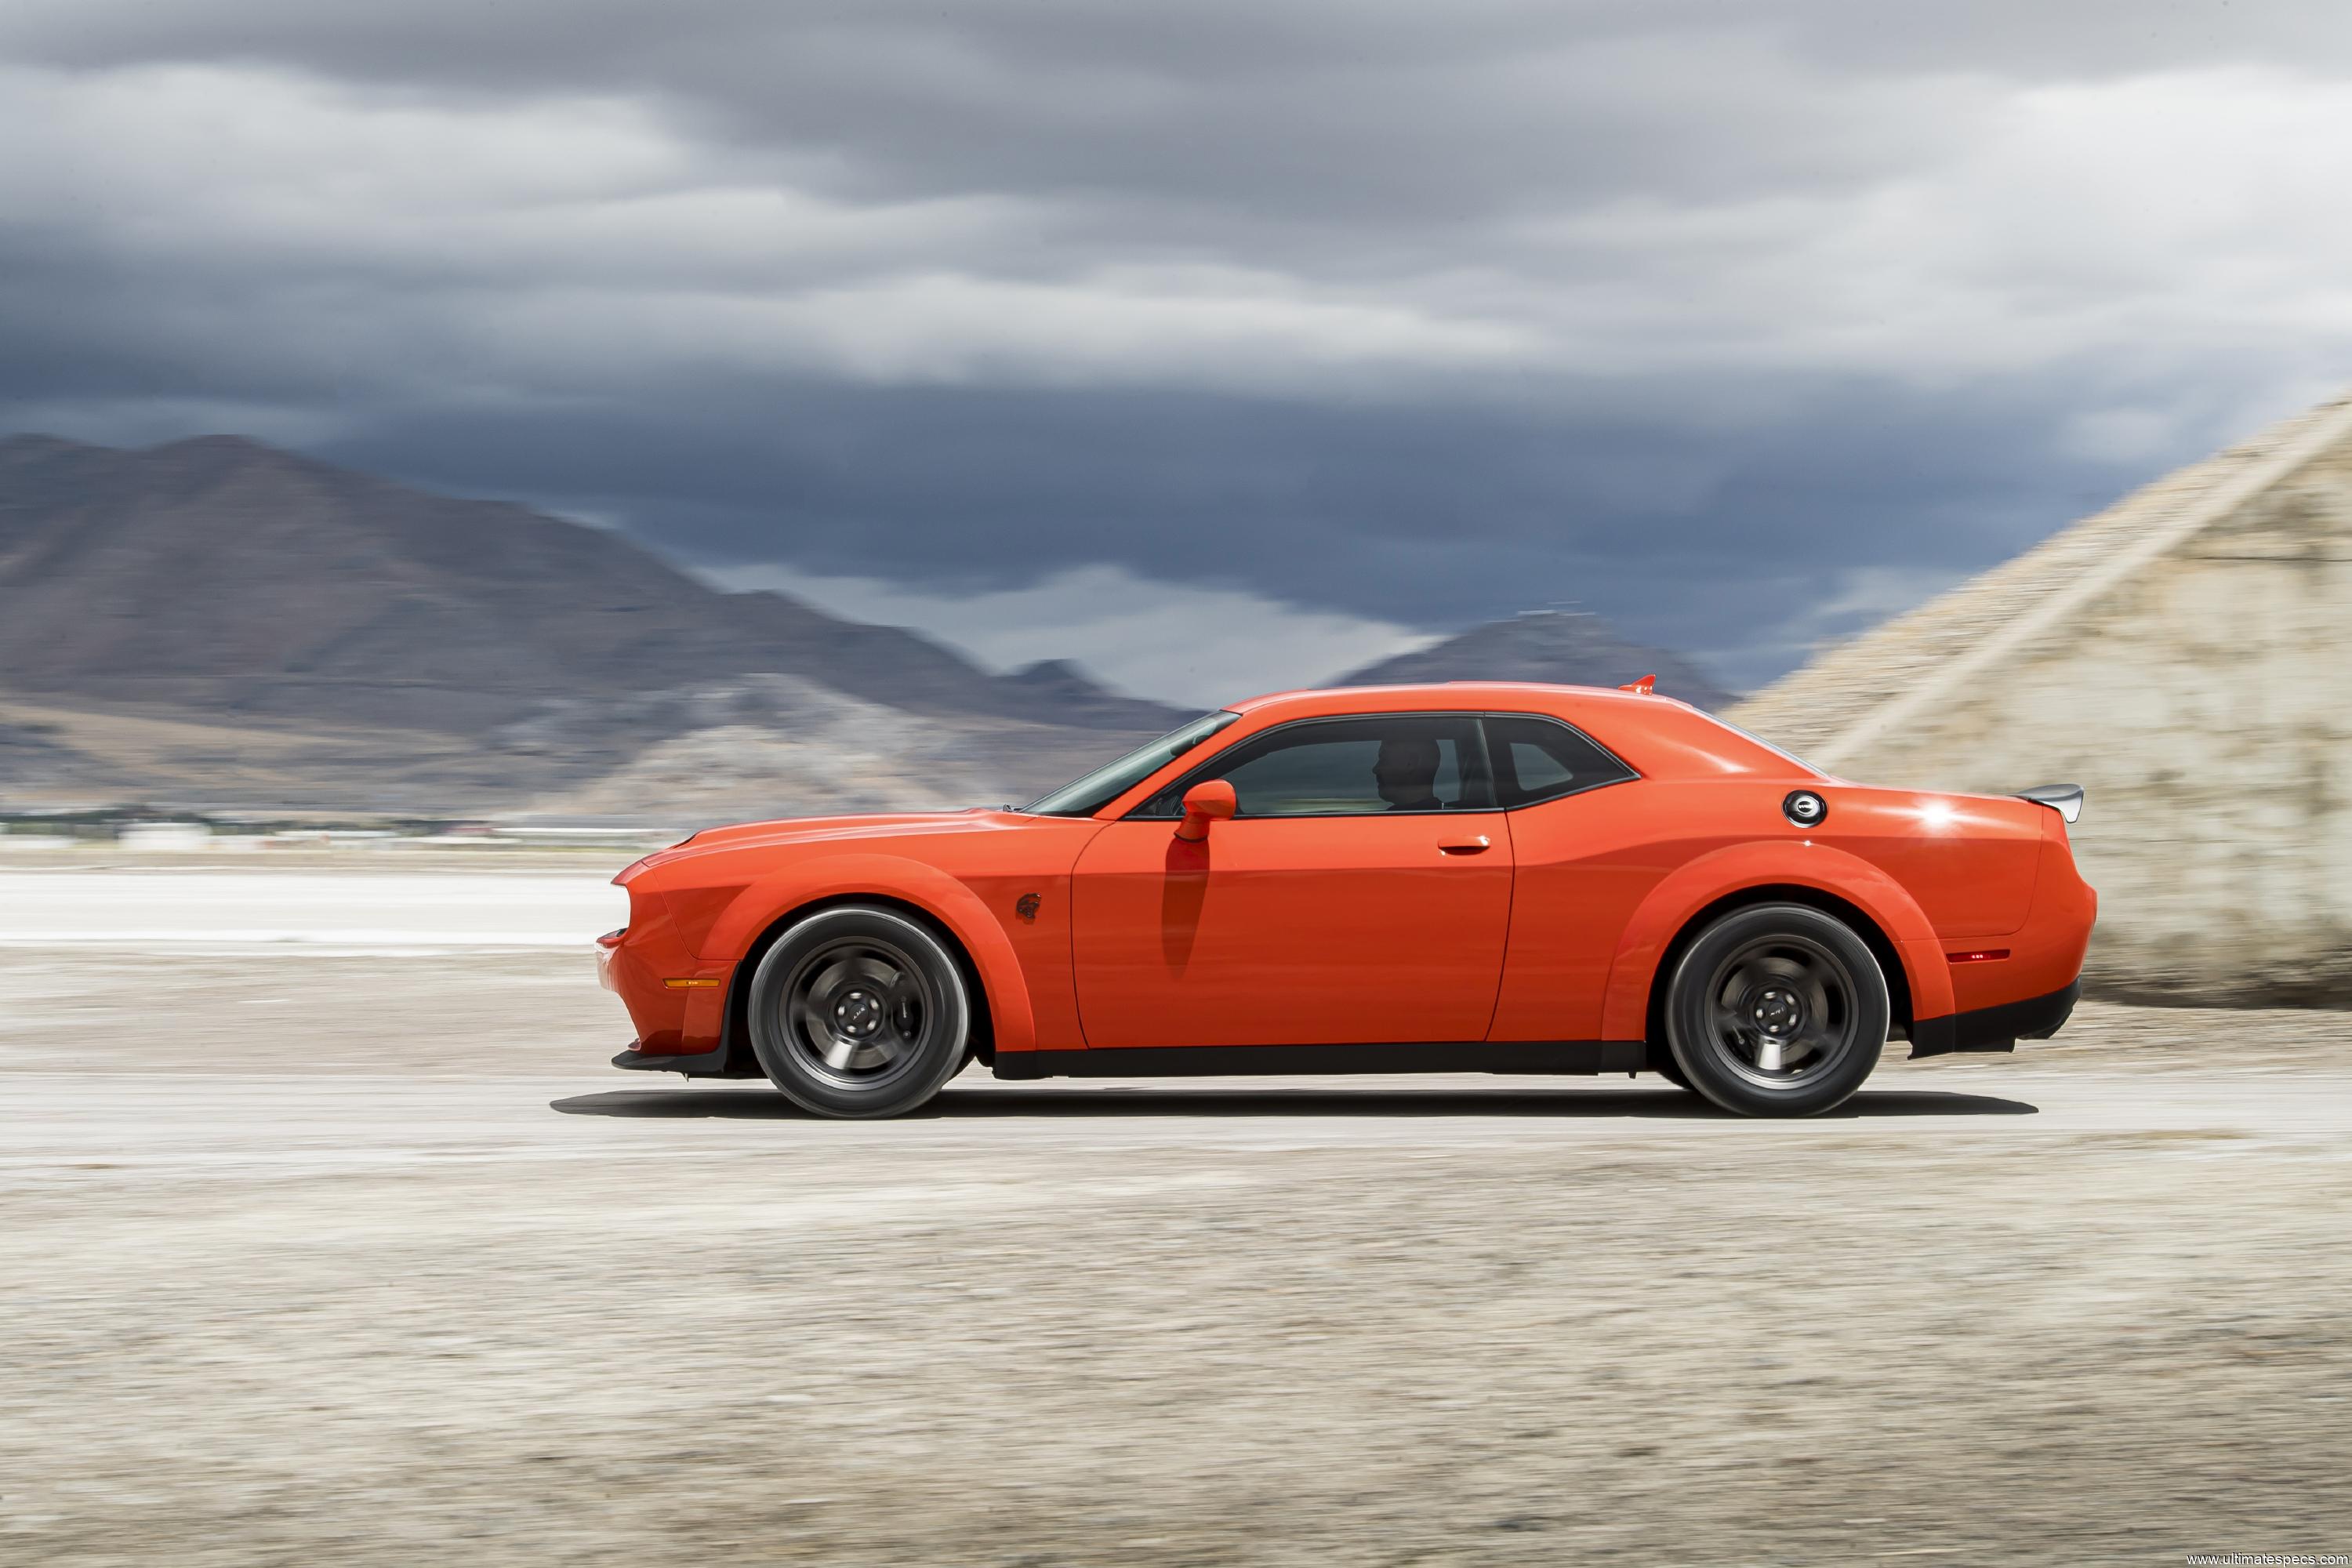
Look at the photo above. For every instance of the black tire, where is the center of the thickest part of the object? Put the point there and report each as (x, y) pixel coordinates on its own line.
(1777, 1010)
(858, 1011)
(1666, 1068)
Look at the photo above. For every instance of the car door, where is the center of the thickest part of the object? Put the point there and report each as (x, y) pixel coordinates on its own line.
(1360, 894)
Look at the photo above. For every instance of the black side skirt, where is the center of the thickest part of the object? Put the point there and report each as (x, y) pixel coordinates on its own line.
(706, 1064)
(1583, 1057)
(1996, 1028)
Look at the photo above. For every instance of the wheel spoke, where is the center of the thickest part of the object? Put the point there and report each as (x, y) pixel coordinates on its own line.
(833, 978)
(1731, 1029)
(1815, 993)
(878, 972)
(815, 1027)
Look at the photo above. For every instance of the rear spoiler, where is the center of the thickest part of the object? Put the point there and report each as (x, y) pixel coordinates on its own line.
(2066, 800)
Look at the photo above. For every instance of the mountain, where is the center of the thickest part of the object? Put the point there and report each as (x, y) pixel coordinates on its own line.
(1567, 646)
(217, 623)
(223, 577)
(1062, 688)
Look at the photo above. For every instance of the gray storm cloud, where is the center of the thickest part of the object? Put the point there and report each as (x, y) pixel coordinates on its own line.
(1743, 326)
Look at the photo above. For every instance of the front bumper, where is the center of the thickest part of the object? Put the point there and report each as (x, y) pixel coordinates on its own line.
(675, 999)
(1996, 1028)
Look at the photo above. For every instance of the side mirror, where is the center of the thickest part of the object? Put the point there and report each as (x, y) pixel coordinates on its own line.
(1212, 800)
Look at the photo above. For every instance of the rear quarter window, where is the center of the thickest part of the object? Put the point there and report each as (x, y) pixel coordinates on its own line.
(1543, 758)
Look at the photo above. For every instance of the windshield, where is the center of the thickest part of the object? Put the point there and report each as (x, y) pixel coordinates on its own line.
(1106, 784)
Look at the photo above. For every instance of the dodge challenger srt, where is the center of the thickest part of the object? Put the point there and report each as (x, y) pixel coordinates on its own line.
(1486, 877)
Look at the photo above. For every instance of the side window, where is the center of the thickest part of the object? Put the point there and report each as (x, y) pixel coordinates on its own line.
(1542, 759)
(1348, 767)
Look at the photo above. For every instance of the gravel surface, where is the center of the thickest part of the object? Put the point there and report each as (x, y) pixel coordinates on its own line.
(319, 1258)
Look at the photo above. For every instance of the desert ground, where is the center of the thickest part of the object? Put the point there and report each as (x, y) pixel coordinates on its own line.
(328, 1236)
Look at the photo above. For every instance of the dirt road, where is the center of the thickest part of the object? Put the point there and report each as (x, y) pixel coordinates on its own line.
(309, 1258)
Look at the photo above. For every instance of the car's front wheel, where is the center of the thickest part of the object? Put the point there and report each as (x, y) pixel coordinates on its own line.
(858, 1011)
(1777, 1010)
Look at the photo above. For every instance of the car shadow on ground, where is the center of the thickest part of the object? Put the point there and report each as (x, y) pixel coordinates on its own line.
(757, 1102)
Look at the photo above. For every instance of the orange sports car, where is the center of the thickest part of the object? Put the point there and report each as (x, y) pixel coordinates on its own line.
(1468, 877)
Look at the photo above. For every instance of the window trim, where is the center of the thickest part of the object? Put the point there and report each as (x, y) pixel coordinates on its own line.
(1476, 717)
(1632, 775)
(1187, 780)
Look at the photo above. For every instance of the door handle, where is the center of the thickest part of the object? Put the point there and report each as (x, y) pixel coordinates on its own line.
(1477, 845)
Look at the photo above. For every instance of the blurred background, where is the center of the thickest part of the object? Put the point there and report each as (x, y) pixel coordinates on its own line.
(597, 418)
(447, 446)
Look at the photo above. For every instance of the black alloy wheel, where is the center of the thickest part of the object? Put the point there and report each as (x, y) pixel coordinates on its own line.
(859, 1011)
(1778, 1010)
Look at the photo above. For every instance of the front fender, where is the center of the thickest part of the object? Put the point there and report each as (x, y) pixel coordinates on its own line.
(1717, 875)
(764, 902)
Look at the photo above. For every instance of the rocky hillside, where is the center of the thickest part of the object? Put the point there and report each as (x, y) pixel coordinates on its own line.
(223, 577)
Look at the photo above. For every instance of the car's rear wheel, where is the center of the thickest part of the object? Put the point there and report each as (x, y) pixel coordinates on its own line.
(859, 1011)
(1777, 1010)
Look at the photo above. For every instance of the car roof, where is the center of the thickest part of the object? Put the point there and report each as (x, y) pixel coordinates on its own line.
(1469, 696)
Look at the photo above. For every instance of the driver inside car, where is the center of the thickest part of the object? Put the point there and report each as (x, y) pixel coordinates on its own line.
(1406, 774)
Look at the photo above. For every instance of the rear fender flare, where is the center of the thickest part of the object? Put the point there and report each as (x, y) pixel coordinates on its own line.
(1722, 873)
(946, 900)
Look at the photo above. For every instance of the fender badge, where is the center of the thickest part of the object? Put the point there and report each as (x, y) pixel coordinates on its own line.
(1027, 908)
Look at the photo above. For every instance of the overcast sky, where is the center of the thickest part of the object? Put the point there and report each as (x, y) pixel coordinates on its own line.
(1216, 345)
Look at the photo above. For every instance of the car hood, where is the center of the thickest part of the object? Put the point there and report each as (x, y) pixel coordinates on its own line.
(821, 829)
